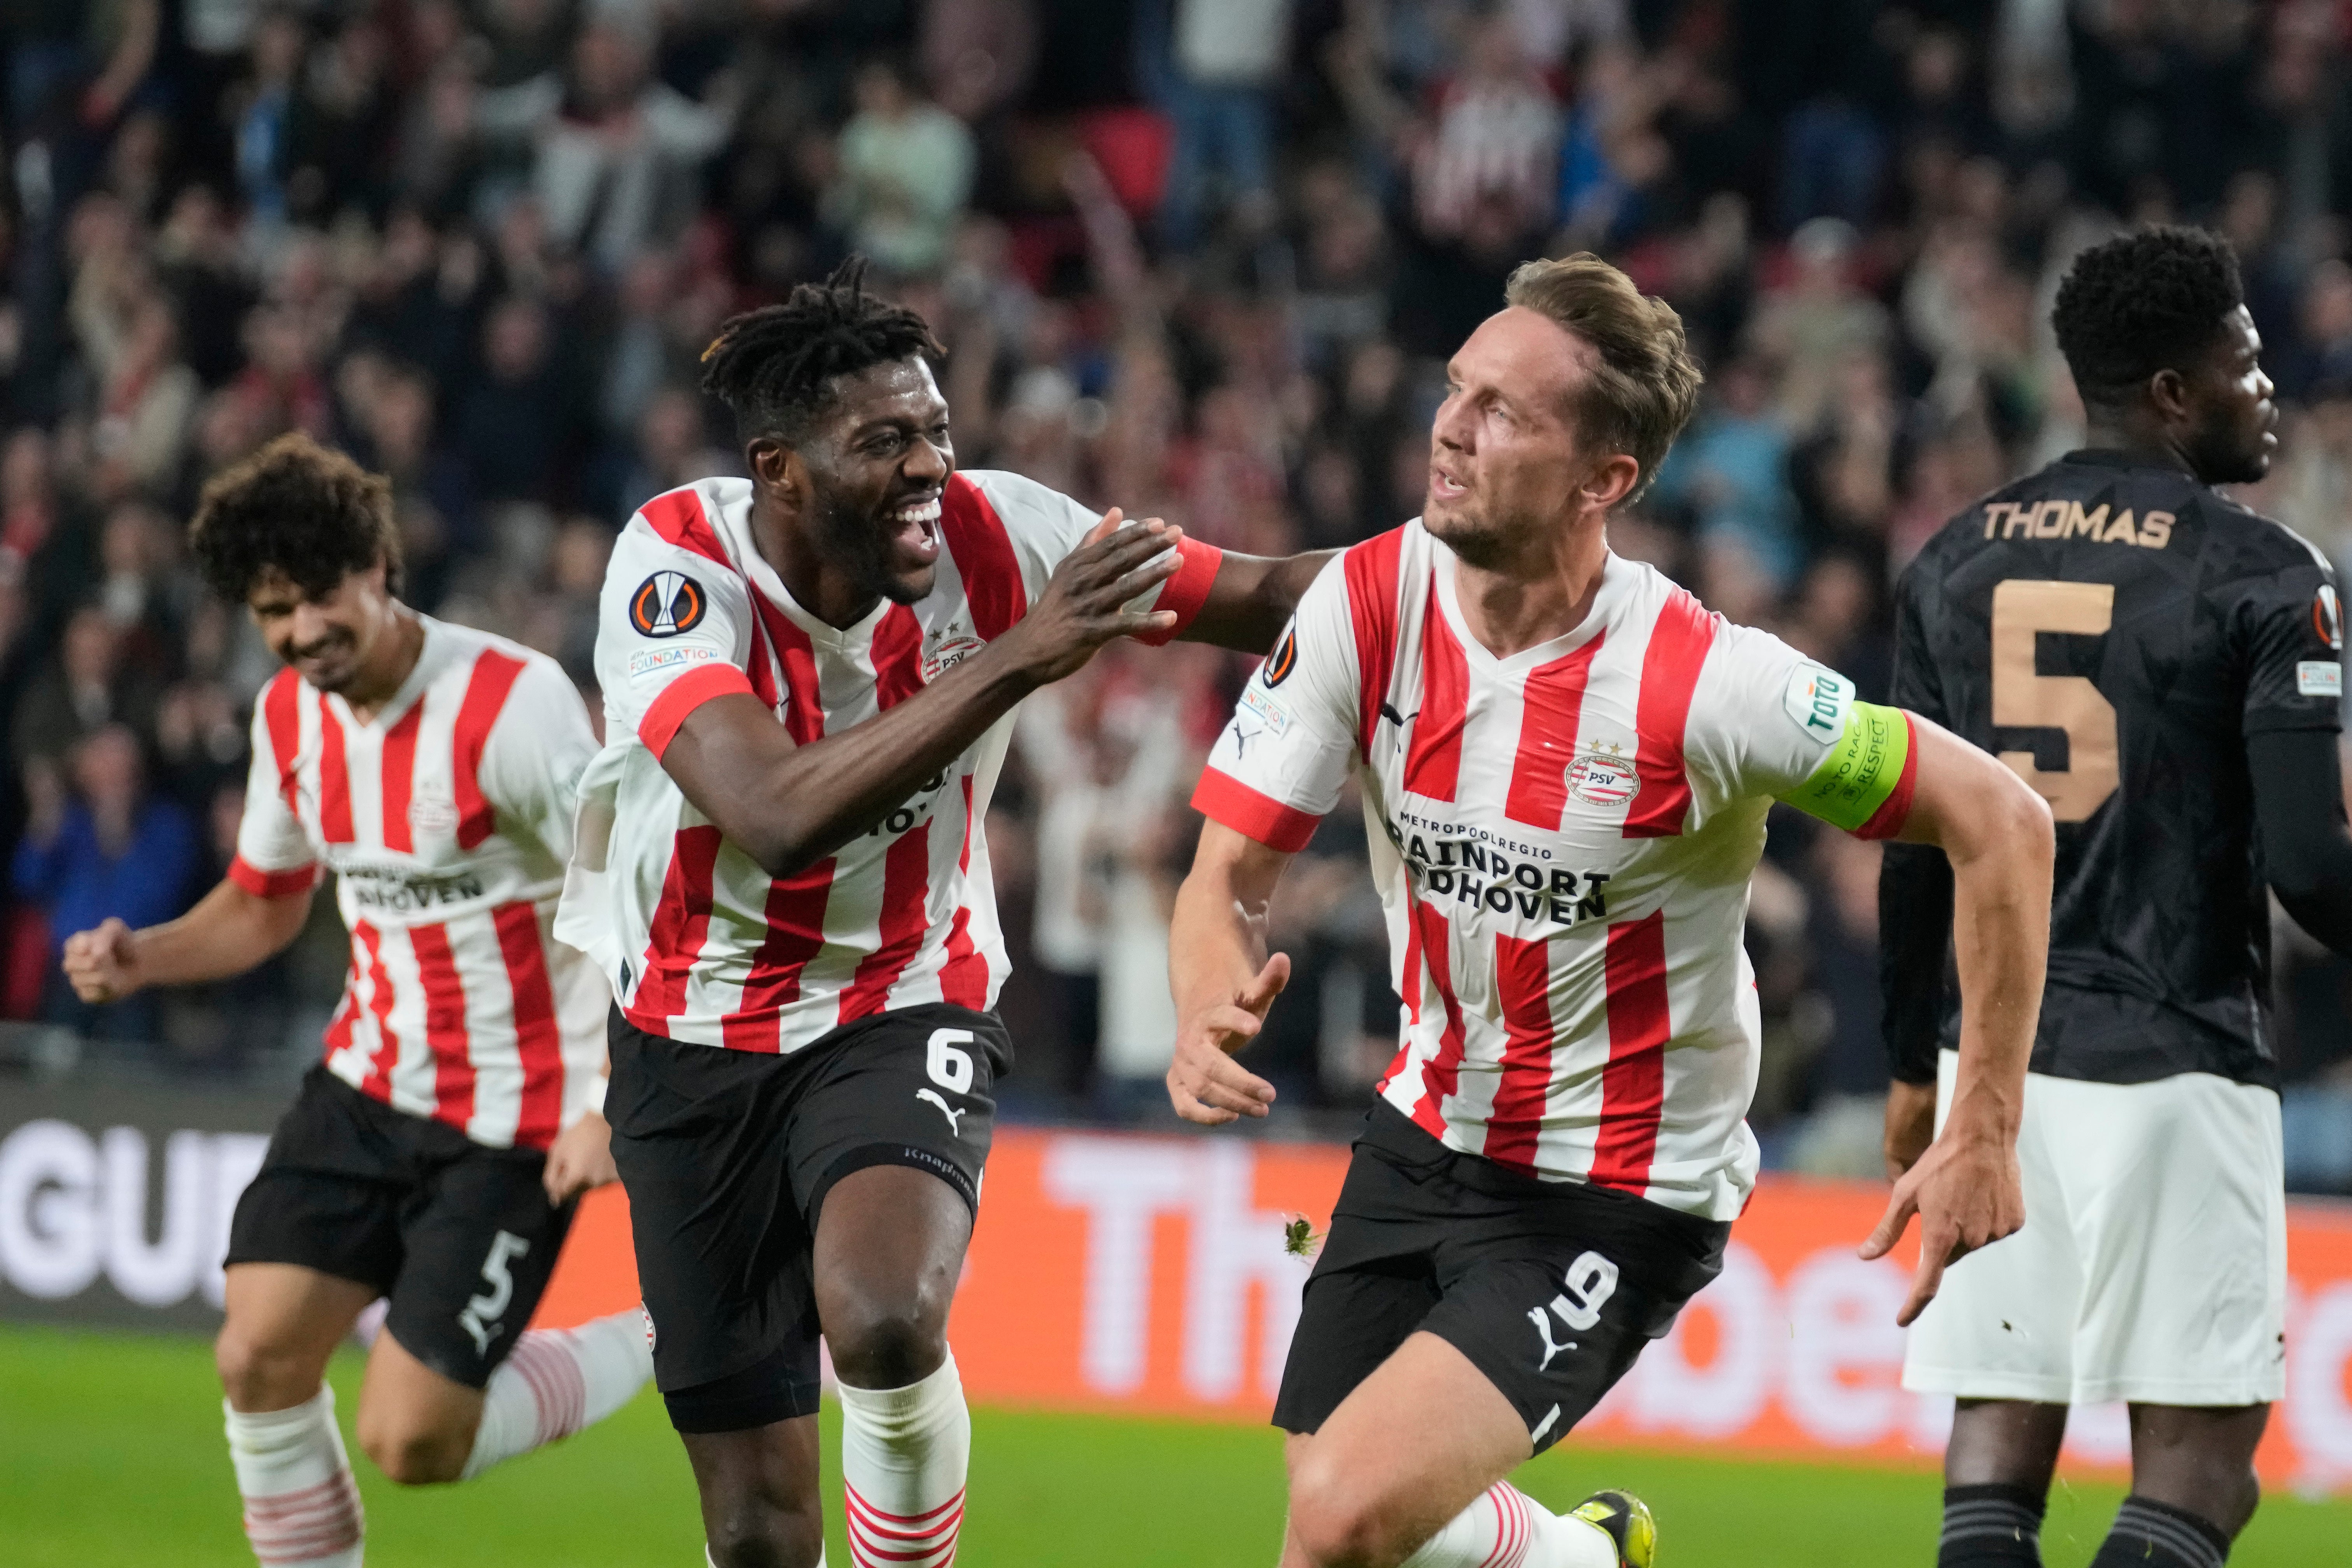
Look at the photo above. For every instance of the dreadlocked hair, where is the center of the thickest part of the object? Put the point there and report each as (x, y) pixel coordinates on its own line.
(2145, 301)
(775, 366)
(296, 509)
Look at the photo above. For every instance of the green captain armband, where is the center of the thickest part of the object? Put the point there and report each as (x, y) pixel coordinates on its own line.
(1863, 785)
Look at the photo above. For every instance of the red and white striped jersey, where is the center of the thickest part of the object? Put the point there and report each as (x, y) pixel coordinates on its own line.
(1562, 840)
(447, 821)
(701, 945)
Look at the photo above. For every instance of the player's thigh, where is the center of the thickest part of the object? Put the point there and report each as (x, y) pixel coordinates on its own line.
(1359, 1489)
(2181, 1221)
(890, 1137)
(759, 1492)
(481, 1240)
(280, 1324)
(700, 1136)
(2002, 1326)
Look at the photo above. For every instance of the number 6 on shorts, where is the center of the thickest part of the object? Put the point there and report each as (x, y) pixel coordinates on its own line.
(950, 1065)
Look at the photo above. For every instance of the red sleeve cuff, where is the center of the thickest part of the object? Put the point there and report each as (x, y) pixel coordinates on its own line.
(682, 697)
(272, 884)
(1896, 810)
(1222, 797)
(1187, 590)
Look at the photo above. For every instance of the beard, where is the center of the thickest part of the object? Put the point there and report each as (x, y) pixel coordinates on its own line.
(2222, 455)
(854, 539)
(1476, 540)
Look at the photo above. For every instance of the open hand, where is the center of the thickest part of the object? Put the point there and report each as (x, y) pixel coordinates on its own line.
(102, 964)
(1966, 1193)
(1204, 1082)
(1085, 605)
(580, 1158)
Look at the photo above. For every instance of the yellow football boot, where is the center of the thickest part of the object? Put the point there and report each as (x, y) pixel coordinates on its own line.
(1627, 1519)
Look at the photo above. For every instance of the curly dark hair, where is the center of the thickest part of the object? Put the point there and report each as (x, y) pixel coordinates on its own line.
(775, 366)
(297, 508)
(2145, 301)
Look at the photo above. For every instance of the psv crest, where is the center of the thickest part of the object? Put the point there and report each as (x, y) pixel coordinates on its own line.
(667, 604)
(1603, 778)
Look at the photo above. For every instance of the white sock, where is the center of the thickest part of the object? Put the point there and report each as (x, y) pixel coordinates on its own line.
(1505, 1528)
(301, 1506)
(903, 1456)
(556, 1381)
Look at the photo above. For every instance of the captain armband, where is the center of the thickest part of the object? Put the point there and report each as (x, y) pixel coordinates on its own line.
(1863, 785)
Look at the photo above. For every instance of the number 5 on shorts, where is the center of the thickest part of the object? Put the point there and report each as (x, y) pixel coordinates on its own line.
(949, 1064)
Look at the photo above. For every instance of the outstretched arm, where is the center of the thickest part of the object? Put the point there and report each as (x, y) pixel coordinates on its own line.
(788, 806)
(1996, 833)
(229, 931)
(1222, 980)
(1253, 599)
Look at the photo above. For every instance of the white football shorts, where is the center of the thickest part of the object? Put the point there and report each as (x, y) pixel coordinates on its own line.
(2152, 1266)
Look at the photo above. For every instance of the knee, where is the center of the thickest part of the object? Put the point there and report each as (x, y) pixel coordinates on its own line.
(887, 1344)
(259, 1376)
(1336, 1523)
(747, 1534)
(412, 1453)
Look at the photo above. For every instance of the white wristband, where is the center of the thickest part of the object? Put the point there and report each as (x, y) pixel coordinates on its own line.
(594, 1099)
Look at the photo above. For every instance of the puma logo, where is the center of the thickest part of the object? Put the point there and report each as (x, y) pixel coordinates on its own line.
(953, 1115)
(1542, 1319)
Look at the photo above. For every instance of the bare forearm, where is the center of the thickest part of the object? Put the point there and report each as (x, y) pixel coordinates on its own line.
(1216, 941)
(2001, 899)
(1253, 600)
(788, 806)
(228, 932)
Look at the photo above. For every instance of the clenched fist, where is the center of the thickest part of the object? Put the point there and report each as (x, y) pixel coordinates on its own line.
(103, 965)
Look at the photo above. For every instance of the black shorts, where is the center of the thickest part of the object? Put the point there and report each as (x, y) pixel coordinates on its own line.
(1549, 1288)
(461, 1237)
(727, 1155)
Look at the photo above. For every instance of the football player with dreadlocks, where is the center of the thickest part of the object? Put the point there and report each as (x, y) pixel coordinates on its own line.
(807, 677)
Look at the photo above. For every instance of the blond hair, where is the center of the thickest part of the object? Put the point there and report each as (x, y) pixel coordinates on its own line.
(1644, 383)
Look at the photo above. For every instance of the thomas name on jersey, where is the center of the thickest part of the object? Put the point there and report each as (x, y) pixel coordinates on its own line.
(2064, 518)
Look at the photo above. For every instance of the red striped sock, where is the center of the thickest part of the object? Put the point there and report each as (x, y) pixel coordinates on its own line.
(556, 1381)
(301, 1506)
(904, 1452)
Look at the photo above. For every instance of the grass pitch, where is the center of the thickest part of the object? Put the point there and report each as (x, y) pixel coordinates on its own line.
(111, 1457)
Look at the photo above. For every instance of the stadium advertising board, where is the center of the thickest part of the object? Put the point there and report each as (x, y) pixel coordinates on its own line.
(1153, 1274)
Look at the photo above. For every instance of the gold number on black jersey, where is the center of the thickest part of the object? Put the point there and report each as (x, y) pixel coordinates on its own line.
(2023, 699)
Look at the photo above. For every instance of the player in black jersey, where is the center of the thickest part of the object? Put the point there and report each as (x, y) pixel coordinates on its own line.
(2163, 665)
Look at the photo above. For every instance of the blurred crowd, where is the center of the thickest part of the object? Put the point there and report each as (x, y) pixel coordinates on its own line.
(1198, 258)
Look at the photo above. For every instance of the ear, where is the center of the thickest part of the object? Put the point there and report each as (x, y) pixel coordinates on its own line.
(775, 466)
(1611, 481)
(2168, 395)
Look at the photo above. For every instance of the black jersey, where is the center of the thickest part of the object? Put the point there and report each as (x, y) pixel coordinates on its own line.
(2114, 629)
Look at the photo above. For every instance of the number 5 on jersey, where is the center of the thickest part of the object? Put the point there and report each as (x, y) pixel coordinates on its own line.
(2023, 608)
